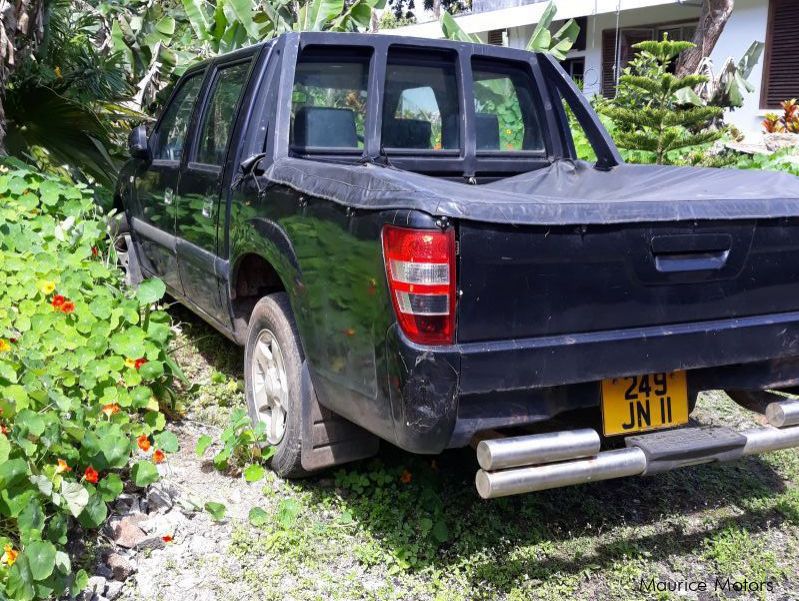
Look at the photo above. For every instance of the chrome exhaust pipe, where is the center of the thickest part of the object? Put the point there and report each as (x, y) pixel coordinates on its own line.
(781, 414)
(517, 451)
(605, 466)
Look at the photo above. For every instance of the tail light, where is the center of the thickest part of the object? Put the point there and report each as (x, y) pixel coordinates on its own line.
(420, 266)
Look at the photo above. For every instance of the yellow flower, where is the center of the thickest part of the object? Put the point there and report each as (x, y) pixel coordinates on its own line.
(62, 467)
(58, 72)
(10, 556)
(47, 287)
(131, 363)
(4, 345)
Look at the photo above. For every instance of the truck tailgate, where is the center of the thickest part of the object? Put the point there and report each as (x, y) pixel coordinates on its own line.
(527, 281)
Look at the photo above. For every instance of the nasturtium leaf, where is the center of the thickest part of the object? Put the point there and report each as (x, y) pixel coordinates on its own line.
(144, 473)
(75, 496)
(167, 442)
(258, 517)
(287, 512)
(217, 510)
(41, 558)
(79, 583)
(254, 472)
(12, 471)
(151, 370)
(95, 512)
(115, 449)
(150, 291)
(56, 530)
(440, 531)
(5, 448)
(31, 517)
(155, 419)
(62, 562)
(20, 580)
(110, 487)
(202, 445)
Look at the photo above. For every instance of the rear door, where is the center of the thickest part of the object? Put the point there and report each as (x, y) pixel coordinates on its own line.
(154, 218)
(199, 197)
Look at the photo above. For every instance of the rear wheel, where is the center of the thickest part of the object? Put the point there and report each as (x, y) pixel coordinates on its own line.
(272, 368)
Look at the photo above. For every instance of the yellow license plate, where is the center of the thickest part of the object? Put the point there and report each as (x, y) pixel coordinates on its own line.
(641, 403)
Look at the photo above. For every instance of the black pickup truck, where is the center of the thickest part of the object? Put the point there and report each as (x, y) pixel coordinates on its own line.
(401, 235)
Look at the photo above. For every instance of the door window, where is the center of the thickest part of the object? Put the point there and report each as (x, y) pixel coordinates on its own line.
(171, 134)
(220, 114)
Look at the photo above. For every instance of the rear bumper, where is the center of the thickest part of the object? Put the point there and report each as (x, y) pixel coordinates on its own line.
(441, 396)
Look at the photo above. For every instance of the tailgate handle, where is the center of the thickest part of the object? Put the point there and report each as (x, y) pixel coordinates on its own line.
(691, 252)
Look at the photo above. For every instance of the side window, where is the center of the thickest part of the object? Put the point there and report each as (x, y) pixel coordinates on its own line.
(220, 114)
(420, 106)
(328, 108)
(507, 118)
(171, 133)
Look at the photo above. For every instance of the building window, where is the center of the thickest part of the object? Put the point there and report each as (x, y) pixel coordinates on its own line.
(781, 63)
(618, 51)
(575, 67)
(496, 37)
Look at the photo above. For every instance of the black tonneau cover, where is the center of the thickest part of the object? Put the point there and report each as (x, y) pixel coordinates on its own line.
(565, 193)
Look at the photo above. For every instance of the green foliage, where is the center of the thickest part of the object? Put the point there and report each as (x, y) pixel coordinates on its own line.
(647, 113)
(241, 444)
(71, 404)
(542, 39)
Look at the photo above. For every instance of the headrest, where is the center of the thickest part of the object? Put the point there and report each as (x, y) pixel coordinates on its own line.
(326, 127)
(406, 133)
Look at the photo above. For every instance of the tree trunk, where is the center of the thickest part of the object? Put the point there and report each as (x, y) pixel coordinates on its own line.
(712, 19)
(437, 9)
(21, 31)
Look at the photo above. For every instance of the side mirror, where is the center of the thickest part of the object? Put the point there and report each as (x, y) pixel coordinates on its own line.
(138, 145)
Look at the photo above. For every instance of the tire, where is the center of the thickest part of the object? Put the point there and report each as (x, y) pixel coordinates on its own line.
(271, 327)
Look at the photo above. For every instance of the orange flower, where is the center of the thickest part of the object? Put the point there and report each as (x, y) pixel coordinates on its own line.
(158, 456)
(10, 556)
(58, 301)
(406, 477)
(62, 467)
(4, 429)
(167, 538)
(95, 251)
(110, 409)
(68, 307)
(91, 475)
(139, 362)
(143, 442)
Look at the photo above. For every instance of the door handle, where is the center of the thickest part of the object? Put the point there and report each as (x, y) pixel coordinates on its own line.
(696, 261)
(169, 195)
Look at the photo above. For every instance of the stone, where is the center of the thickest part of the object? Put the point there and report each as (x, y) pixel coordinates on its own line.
(199, 545)
(160, 497)
(128, 503)
(778, 141)
(96, 584)
(113, 590)
(121, 567)
(126, 532)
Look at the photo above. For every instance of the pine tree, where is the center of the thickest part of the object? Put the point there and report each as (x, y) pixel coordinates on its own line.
(646, 112)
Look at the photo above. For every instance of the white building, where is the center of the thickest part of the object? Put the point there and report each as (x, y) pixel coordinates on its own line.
(610, 27)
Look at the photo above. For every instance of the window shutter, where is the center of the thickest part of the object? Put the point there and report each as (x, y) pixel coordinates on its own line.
(781, 65)
(496, 37)
(608, 63)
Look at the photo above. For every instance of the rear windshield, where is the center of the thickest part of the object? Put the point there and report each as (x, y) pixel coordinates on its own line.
(421, 106)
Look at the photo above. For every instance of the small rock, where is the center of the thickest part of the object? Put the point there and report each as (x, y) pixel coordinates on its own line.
(113, 590)
(164, 524)
(128, 503)
(160, 497)
(121, 567)
(126, 532)
(96, 584)
(199, 545)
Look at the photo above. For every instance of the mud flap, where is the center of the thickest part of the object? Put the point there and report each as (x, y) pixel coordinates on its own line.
(327, 438)
(129, 262)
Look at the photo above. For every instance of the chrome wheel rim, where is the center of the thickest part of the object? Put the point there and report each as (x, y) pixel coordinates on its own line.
(269, 385)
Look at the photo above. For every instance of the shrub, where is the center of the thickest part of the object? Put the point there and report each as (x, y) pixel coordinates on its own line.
(647, 112)
(82, 366)
(788, 122)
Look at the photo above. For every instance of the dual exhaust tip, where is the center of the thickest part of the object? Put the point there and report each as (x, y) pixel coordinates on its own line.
(535, 462)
